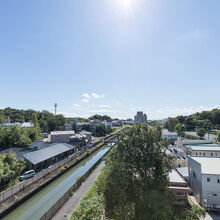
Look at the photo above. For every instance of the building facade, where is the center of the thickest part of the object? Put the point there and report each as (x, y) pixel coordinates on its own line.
(205, 150)
(170, 136)
(204, 179)
(60, 136)
(140, 117)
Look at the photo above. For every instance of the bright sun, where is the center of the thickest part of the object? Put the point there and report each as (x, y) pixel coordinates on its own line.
(125, 6)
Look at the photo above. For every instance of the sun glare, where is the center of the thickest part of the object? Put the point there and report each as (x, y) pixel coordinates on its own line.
(125, 6)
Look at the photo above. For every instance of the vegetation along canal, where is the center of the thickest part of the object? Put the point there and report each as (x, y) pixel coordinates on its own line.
(40, 203)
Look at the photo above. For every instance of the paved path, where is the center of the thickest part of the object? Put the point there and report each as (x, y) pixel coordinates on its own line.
(69, 206)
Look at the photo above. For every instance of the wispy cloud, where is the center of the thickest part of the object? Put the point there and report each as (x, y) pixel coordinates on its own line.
(85, 101)
(102, 111)
(173, 112)
(96, 96)
(104, 106)
(76, 105)
(74, 115)
(86, 95)
(196, 34)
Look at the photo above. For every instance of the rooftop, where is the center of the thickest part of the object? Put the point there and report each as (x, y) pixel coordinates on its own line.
(85, 132)
(41, 155)
(209, 165)
(183, 171)
(205, 147)
(62, 132)
(192, 142)
(176, 179)
(166, 132)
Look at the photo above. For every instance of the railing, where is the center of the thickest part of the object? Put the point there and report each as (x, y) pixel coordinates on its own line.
(15, 189)
(21, 186)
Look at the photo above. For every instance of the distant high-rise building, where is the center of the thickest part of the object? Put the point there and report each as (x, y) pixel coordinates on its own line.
(140, 117)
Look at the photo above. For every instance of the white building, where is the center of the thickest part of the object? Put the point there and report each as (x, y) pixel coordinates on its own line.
(210, 150)
(170, 136)
(204, 179)
(60, 136)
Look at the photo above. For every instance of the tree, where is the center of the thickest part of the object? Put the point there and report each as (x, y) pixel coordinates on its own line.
(86, 127)
(218, 136)
(2, 119)
(180, 129)
(74, 126)
(135, 179)
(201, 132)
(171, 124)
(195, 213)
(10, 168)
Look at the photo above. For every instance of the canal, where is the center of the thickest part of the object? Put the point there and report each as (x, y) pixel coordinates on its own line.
(40, 203)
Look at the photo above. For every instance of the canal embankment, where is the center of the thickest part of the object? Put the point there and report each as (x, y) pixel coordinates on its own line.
(23, 195)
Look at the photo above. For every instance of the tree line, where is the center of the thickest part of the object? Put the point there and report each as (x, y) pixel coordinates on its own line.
(47, 120)
(208, 120)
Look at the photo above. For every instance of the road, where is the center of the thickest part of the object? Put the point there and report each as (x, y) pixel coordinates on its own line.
(67, 209)
(207, 136)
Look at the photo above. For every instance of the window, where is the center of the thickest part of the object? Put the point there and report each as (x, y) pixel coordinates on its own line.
(196, 154)
(200, 154)
(203, 154)
(214, 194)
(208, 179)
(194, 174)
(211, 154)
(218, 180)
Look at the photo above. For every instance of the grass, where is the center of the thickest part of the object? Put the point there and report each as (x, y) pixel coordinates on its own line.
(91, 206)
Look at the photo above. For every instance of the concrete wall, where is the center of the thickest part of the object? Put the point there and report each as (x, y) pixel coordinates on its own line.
(211, 190)
(62, 138)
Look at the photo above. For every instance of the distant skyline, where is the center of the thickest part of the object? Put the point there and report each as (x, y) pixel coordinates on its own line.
(113, 57)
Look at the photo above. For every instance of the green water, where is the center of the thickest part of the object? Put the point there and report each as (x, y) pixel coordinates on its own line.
(36, 206)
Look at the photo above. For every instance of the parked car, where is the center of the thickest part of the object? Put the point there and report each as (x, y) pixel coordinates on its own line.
(27, 174)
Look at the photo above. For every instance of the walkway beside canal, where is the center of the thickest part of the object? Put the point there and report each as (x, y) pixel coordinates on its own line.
(67, 209)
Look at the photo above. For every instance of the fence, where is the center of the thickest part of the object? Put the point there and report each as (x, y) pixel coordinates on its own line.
(14, 190)
(21, 186)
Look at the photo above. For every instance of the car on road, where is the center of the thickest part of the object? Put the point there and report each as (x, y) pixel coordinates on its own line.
(27, 174)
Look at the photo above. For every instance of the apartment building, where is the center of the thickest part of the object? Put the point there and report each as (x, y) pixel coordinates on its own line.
(204, 180)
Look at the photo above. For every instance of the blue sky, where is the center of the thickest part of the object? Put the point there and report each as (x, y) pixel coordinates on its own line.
(110, 56)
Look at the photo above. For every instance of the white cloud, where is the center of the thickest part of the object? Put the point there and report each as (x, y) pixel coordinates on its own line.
(85, 101)
(86, 95)
(173, 112)
(103, 111)
(195, 34)
(76, 105)
(96, 96)
(74, 115)
(104, 106)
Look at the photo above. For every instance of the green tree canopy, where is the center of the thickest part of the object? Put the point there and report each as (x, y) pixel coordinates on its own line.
(201, 132)
(180, 129)
(135, 178)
